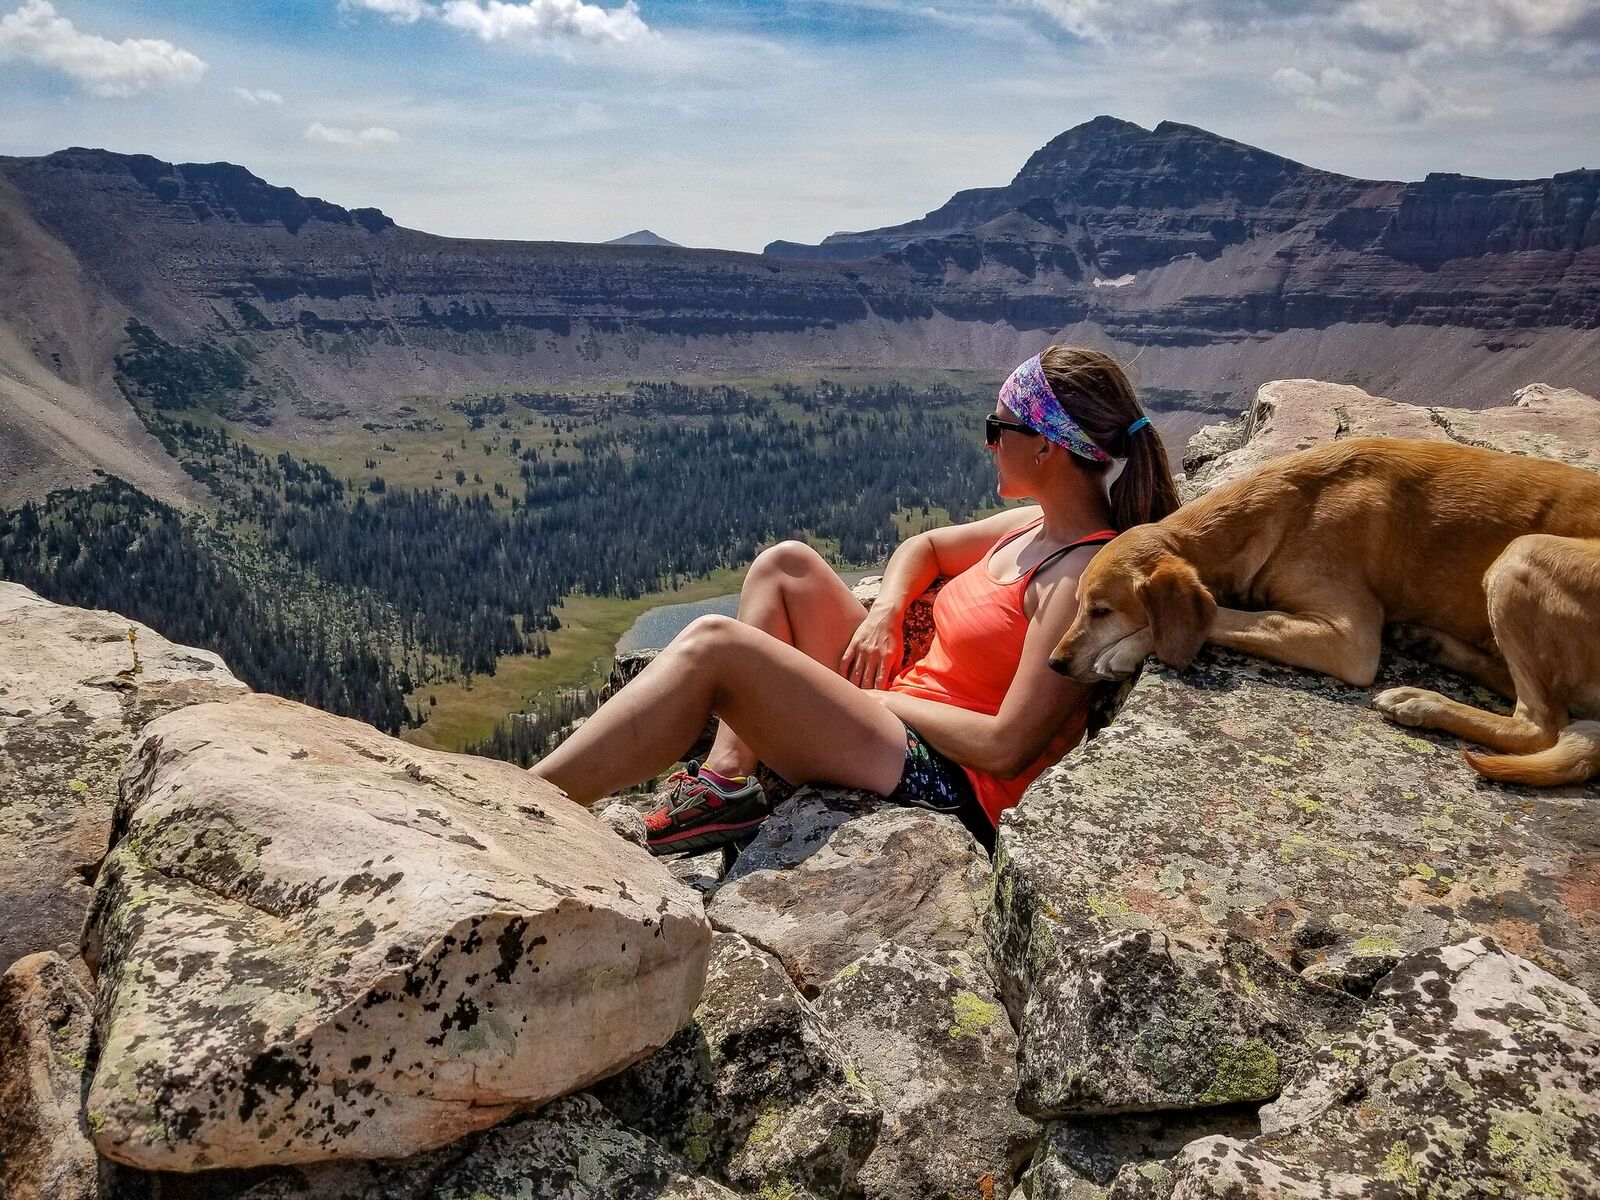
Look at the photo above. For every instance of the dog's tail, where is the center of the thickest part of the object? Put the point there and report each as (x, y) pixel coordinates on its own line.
(1575, 758)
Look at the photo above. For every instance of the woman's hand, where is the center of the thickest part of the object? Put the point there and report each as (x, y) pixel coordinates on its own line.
(873, 655)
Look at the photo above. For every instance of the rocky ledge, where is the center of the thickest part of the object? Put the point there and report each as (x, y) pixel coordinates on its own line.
(1249, 941)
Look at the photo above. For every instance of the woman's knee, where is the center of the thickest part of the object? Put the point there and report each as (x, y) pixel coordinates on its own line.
(787, 559)
(705, 637)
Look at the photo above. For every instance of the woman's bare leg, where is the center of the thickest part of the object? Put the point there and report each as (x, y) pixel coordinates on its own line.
(803, 719)
(792, 593)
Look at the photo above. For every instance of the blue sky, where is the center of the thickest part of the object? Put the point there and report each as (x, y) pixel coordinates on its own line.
(733, 122)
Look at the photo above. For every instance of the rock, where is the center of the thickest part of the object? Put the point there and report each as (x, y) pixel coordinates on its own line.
(45, 1019)
(1307, 827)
(572, 1149)
(754, 1089)
(933, 1043)
(1296, 414)
(833, 873)
(1144, 1022)
(70, 706)
(626, 821)
(314, 941)
(1477, 1074)
(1078, 1159)
(702, 872)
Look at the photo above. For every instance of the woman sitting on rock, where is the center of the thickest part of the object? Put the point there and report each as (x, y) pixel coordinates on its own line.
(807, 681)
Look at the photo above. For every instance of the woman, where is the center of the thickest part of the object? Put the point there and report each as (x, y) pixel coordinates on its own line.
(806, 680)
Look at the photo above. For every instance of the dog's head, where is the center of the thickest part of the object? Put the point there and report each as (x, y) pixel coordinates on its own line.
(1136, 598)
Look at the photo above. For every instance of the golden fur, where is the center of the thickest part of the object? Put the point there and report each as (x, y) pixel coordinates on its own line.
(1487, 563)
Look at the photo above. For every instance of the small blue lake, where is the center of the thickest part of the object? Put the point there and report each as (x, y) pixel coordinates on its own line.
(655, 628)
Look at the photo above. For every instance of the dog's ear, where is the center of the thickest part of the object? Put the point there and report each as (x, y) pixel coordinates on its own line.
(1181, 611)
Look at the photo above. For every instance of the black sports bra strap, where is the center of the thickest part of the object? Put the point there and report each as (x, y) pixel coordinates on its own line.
(1094, 539)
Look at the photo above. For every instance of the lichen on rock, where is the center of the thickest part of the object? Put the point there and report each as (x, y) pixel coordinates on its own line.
(314, 941)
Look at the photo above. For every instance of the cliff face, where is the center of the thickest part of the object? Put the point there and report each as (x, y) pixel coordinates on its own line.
(1175, 235)
(1215, 264)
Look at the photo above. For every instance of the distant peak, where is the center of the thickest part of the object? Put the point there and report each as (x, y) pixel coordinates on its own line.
(642, 237)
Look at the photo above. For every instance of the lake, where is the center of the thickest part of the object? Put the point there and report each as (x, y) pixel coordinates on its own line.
(655, 628)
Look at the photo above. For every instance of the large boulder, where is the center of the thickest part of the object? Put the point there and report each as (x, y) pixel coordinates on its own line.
(1080, 1158)
(754, 1090)
(932, 1042)
(314, 941)
(45, 1019)
(74, 693)
(1243, 835)
(833, 874)
(1476, 1074)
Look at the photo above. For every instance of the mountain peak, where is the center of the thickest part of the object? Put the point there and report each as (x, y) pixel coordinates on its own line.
(642, 237)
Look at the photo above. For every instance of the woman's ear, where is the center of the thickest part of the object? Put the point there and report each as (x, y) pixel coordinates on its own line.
(1181, 611)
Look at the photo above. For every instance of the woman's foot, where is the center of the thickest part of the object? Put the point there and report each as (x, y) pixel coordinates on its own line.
(703, 810)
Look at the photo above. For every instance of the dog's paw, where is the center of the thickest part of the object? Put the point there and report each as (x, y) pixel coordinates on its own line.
(1405, 705)
(1125, 657)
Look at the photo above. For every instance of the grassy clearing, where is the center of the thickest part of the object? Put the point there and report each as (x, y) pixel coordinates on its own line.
(580, 656)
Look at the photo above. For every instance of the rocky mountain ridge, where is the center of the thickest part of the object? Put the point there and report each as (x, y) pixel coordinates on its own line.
(1213, 264)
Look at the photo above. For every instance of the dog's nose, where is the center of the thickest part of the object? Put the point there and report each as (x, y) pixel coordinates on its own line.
(1061, 665)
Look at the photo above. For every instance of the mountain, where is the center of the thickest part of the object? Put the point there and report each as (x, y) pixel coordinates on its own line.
(1212, 265)
(641, 237)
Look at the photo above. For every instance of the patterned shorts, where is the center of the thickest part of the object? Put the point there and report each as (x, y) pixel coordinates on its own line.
(930, 780)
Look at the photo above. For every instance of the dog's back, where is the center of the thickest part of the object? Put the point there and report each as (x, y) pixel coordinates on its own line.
(1416, 522)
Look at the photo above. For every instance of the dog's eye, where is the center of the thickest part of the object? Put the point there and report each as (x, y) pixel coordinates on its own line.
(1100, 610)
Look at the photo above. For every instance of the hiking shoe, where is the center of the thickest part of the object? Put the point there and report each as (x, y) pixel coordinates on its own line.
(699, 814)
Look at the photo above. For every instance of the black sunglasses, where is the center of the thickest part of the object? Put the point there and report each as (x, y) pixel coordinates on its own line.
(992, 425)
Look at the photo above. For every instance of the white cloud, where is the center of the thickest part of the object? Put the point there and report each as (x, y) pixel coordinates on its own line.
(37, 34)
(530, 21)
(358, 139)
(1327, 91)
(258, 96)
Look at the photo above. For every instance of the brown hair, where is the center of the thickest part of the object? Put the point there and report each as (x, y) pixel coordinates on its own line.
(1095, 391)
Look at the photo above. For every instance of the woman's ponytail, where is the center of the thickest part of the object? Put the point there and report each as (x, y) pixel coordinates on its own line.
(1095, 391)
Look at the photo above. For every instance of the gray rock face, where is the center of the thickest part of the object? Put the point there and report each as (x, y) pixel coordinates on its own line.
(314, 941)
(71, 705)
(755, 1089)
(933, 1043)
(1141, 1022)
(45, 1019)
(1244, 803)
(832, 874)
(572, 1149)
(1079, 1159)
(1475, 1074)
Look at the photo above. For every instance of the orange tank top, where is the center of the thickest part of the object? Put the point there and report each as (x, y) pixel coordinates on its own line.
(978, 630)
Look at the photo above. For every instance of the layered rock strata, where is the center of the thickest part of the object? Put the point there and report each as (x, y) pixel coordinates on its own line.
(315, 942)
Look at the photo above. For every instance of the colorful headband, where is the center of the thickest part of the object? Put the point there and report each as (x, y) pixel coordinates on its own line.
(1029, 395)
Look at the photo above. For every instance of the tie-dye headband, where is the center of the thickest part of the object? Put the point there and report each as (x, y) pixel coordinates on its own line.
(1029, 395)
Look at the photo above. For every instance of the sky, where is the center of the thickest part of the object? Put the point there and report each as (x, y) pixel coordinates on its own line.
(730, 123)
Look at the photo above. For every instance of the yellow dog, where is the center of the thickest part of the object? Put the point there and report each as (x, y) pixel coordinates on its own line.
(1490, 562)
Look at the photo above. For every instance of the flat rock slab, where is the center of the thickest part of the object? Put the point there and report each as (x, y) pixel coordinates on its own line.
(45, 1020)
(1295, 414)
(931, 1040)
(1245, 802)
(71, 705)
(832, 874)
(1476, 1074)
(572, 1149)
(755, 1090)
(314, 942)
